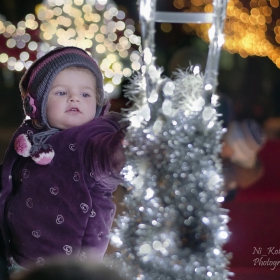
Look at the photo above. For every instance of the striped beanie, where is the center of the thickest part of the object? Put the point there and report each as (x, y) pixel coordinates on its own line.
(36, 83)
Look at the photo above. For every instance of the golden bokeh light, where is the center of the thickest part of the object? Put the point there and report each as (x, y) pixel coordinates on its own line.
(248, 27)
(100, 29)
(166, 27)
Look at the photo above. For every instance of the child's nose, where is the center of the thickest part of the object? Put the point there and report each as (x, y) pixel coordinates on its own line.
(74, 97)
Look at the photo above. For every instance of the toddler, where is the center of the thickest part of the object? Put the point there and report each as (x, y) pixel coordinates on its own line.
(62, 165)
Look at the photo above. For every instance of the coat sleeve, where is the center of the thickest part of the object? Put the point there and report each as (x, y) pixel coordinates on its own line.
(105, 159)
(104, 151)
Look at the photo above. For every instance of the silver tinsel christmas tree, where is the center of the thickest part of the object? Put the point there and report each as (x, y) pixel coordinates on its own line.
(174, 227)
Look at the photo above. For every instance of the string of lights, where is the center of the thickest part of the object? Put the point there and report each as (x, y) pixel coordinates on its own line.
(251, 28)
(97, 26)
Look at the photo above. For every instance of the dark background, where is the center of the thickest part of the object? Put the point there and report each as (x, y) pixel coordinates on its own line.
(252, 83)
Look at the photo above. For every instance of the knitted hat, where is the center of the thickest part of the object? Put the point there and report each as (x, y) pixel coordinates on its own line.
(245, 138)
(36, 83)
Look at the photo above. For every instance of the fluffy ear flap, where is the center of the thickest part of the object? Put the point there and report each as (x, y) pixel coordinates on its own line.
(29, 106)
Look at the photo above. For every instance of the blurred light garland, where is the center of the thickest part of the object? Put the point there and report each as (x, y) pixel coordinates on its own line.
(251, 28)
(97, 26)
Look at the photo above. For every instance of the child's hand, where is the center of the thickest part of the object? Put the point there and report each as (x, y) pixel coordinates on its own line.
(125, 143)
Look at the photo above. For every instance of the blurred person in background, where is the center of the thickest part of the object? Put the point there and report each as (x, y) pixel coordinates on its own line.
(241, 144)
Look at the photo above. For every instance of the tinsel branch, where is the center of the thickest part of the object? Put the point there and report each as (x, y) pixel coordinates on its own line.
(174, 227)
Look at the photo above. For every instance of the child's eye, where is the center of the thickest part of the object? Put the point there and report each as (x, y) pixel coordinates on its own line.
(85, 94)
(61, 93)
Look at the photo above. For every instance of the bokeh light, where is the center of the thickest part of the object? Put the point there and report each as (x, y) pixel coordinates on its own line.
(251, 28)
(97, 26)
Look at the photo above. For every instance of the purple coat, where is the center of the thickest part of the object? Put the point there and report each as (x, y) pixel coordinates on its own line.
(65, 207)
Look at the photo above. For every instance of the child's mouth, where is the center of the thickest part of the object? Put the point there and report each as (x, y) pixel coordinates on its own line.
(73, 110)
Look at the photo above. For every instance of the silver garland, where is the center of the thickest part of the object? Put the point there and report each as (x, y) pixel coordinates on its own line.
(174, 226)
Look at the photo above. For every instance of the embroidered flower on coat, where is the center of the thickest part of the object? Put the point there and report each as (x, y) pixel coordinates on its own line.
(29, 133)
(29, 203)
(92, 213)
(73, 147)
(54, 190)
(84, 207)
(67, 249)
(76, 177)
(25, 173)
(36, 233)
(59, 219)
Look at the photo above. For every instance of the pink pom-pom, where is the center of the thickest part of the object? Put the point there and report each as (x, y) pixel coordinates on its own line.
(44, 157)
(23, 145)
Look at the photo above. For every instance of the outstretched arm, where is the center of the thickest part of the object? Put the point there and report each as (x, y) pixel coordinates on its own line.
(104, 153)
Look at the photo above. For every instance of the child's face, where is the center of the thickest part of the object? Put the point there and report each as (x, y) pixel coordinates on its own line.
(72, 99)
